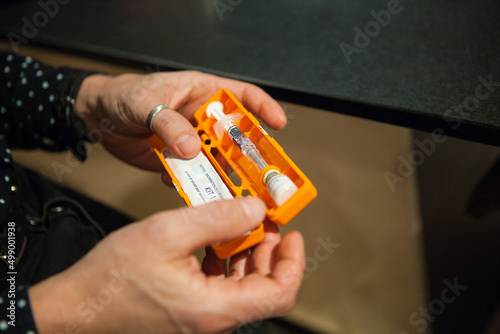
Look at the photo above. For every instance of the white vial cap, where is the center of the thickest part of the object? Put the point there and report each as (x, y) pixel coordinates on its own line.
(281, 188)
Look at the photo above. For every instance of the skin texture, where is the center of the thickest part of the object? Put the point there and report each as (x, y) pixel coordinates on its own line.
(144, 278)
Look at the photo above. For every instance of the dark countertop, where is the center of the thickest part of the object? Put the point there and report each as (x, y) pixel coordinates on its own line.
(423, 68)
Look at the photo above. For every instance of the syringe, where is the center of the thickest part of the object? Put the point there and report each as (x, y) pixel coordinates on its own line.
(279, 186)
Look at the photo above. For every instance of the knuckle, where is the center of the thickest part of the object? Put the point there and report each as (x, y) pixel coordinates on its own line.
(225, 210)
(158, 227)
(162, 122)
(219, 212)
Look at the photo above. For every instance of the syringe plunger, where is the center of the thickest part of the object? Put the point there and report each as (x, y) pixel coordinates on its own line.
(215, 110)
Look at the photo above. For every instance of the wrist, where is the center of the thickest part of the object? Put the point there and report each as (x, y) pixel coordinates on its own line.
(54, 303)
(89, 98)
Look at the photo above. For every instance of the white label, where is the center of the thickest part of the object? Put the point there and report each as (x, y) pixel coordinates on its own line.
(198, 178)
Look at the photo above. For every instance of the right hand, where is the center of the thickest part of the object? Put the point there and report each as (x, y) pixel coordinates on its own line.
(144, 277)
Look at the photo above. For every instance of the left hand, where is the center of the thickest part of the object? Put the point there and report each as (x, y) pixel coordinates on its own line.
(126, 100)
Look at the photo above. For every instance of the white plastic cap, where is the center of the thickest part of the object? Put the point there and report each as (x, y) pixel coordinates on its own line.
(281, 188)
(215, 110)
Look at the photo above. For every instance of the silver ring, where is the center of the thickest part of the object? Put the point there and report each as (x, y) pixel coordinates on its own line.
(152, 114)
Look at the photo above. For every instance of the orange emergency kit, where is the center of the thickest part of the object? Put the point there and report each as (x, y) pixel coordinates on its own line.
(234, 141)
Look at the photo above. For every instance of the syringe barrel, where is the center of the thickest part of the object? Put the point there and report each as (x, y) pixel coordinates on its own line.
(243, 142)
(246, 146)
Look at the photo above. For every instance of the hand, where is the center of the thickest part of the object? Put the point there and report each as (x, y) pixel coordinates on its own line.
(144, 278)
(126, 100)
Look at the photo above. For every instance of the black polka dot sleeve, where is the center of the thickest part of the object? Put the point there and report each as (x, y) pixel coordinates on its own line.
(34, 113)
(30, 103)
(17, 317)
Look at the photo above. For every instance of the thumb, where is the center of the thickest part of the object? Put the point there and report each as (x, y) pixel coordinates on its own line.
(220, 220)
(177, 132)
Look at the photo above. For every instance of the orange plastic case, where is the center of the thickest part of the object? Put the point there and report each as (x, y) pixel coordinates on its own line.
(225, 156)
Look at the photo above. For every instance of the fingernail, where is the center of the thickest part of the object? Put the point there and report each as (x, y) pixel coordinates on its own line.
(187, 144)
(254, 208)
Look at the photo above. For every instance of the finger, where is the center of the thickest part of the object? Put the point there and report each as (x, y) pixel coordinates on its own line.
(264, 106)
(259, 103)
(238, 266)
(259, 297)
(214, 222)
(289, 264)
(212, 265)
(177, 132)
(263, 254)
(259, 258)
(287, 272)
